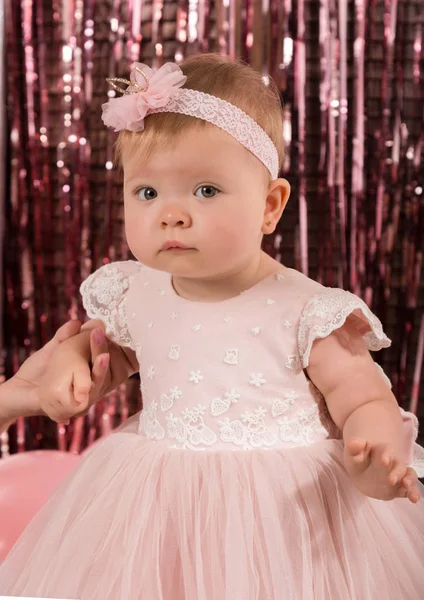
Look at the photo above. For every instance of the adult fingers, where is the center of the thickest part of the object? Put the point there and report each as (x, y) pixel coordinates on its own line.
(93, 324)
(69, 329)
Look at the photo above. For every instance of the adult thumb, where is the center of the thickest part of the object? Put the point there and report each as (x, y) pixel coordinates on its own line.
(68, 330)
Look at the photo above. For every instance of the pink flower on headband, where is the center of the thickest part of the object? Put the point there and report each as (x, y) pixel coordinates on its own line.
(146, 91)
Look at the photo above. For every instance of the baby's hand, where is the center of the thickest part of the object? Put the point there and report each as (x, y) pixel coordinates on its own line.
(70, 386)
(379, 472)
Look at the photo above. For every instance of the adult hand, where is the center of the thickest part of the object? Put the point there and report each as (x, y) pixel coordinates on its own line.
(18, 395)
(76, 377)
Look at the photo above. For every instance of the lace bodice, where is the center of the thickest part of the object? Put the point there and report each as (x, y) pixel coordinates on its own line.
(226, 375)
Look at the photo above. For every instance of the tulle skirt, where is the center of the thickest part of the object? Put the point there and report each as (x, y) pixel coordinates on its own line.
(141, 521)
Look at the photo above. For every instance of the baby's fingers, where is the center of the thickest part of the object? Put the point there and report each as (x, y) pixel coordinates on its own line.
(99, 370)
(413, 494)
(409, 485)
(81, 383)
(397, 470)
(358, 449)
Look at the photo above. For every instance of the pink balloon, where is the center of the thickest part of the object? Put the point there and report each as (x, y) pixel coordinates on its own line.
(26, 482)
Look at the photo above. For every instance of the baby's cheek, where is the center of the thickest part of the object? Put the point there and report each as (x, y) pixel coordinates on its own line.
(130, 233)
(129, 223)
(137, 239)
(226, 238)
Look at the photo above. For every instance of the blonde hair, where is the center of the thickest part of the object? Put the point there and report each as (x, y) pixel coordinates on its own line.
(221, 76)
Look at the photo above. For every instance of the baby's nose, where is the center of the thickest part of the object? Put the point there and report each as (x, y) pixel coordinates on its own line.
(175, 217)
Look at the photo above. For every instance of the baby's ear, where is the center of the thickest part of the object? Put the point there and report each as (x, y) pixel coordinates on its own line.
(276, 200)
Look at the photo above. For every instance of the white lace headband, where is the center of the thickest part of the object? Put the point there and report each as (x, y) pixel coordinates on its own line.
(150, 92)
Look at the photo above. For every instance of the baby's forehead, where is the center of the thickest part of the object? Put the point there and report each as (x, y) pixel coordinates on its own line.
(194, 153)
(180, 171)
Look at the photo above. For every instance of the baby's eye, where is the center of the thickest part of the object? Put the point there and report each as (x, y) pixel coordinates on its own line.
(146, 193)
(207, 191)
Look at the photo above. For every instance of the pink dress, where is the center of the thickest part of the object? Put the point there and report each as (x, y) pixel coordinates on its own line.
(231, 486)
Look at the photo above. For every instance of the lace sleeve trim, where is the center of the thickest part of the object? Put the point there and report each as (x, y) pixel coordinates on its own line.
(104, 296)
(418, 461)
(411, 425)
(327, 311)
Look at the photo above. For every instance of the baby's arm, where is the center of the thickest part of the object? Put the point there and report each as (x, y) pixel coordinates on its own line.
(365, 410)
(123, 361)
(68, 388)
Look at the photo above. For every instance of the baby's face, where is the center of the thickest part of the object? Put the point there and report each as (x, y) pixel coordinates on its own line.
(205, 192)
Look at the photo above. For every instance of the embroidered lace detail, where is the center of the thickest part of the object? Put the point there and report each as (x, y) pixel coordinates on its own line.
(231, 357)
(282, 405)
(149, 423)
(190, 429)
(195, 377)
(327, 311)
(228, 117)
(256, 379)
(249, 432)
(167, 400)
(174, 352)
(104, 297)
(304, 429)
(293, 363)
(220, 405)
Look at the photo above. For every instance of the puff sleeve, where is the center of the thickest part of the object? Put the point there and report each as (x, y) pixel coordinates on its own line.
(329, 310)
(105, 297)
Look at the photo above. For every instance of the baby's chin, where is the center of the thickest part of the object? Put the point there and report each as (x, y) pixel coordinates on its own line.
(179, 264)
(191, 265)
(199, 272)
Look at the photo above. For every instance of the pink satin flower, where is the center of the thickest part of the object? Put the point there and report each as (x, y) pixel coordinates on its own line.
(128, 112)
